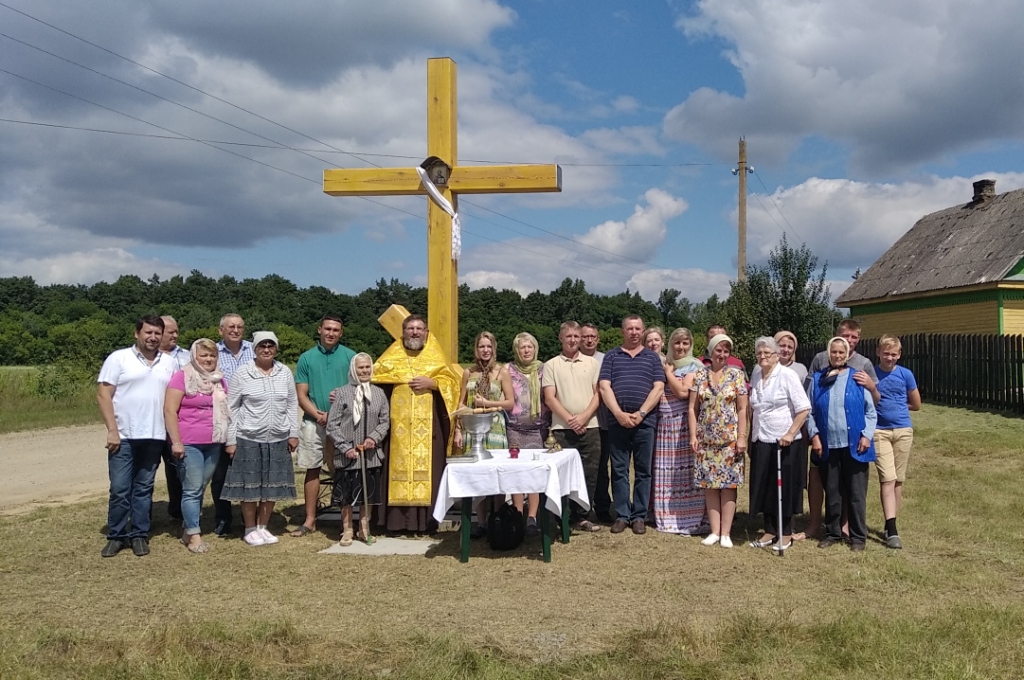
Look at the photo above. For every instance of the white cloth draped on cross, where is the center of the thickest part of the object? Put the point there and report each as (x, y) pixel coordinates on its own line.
(445, 205)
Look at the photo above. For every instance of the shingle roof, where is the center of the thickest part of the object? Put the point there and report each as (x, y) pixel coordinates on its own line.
(969, 244)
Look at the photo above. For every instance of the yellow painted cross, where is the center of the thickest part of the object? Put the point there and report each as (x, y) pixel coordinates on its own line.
(442, 141)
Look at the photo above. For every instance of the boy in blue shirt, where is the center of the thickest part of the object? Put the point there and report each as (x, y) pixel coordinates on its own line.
(894, 433)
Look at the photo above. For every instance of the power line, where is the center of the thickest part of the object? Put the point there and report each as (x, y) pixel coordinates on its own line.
(146, 122)
(277, 145)
(782, 214)
(182, 83)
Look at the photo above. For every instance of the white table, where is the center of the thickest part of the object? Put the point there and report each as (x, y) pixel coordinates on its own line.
(559, 476)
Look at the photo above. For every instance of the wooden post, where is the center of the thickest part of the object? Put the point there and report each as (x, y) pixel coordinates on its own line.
(741, 257)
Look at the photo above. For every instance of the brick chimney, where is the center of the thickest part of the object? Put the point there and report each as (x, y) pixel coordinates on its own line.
(984, 190)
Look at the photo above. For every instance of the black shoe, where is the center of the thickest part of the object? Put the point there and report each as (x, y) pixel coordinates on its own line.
(479, 531)
(893, 542)
(827, 542)
(140, 547)
(857, 546)
(112, 547)
(618, 526)
(531, 526)
(223, 528)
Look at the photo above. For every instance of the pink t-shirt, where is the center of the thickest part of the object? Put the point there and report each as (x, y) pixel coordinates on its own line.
(195, 415)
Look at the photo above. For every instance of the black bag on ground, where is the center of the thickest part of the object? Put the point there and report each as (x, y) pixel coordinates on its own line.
(506, 528)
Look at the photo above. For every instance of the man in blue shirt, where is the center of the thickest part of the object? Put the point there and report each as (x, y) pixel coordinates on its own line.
(895, 433)
(631, 381)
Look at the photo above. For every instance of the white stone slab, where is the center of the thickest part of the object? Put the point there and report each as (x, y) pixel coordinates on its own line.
(385, 546)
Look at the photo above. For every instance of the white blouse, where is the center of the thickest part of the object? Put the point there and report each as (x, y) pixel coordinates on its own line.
(775, 403)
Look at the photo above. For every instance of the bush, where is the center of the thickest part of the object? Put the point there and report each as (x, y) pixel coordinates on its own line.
(64, 379)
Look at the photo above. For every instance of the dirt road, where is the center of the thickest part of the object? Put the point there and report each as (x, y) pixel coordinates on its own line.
(43, 467)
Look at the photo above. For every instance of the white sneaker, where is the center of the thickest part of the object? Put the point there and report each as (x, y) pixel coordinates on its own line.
(710, 540)
(254, 537)
(725, 542)
(268, 537)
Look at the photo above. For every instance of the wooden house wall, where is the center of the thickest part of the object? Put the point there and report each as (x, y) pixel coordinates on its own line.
(975, 317)
(1013, 317)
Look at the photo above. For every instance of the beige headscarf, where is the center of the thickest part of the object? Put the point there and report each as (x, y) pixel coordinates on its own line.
(198, 381)
(362, 388)
(530, 370)
(715, 340)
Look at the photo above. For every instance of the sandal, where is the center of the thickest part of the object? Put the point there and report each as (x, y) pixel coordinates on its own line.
(587, 526)
(799, 536)
(346, 538)
(301, 531)
(203, 546)
(764, 542)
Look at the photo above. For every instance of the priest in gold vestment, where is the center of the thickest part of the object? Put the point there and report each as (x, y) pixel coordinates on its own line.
(424, 391)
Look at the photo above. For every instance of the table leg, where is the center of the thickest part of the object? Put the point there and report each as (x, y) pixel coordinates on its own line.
(565, 519)
(467, 514)
(545, 528)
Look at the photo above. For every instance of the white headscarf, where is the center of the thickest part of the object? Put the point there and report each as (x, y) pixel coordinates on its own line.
(362, 388)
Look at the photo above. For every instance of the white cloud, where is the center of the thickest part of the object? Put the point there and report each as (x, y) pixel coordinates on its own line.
(639, 236)
(609, 257)
(98, 264)
(899, 82)
(850, 224)
(625, 140)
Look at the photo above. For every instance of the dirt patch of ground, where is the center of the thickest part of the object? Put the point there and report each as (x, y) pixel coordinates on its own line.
(48, 467)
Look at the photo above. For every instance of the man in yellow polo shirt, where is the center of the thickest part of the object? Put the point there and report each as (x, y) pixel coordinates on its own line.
(570, 391)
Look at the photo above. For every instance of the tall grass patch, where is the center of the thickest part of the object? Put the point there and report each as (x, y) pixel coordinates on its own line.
(55, 395)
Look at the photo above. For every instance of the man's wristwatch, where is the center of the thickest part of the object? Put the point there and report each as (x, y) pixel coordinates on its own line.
(643, 413)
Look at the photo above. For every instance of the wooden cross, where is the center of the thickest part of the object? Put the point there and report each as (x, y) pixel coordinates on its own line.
(442, 141)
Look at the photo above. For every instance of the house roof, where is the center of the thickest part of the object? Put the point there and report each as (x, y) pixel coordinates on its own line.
(979, 242)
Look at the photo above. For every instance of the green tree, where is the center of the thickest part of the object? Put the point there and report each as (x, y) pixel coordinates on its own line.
(788, 293)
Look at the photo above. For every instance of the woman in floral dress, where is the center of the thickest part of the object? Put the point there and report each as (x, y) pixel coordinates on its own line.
(718, 436)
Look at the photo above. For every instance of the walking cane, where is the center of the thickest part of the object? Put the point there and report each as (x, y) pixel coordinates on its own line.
(362, 465)
(778, 462)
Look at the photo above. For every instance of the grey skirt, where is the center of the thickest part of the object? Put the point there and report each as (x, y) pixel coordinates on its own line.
(260, 472)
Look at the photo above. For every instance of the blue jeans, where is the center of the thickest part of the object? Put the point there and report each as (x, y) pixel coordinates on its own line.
(195, 469)
(132, 469)
(638, 443)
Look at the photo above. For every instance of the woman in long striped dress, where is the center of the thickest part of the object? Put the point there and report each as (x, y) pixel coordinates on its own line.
(678, 503)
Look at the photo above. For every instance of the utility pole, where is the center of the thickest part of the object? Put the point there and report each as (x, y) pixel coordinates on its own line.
(741, 171)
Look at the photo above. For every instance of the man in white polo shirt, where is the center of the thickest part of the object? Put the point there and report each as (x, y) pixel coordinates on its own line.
(131, 391)
(570, 391)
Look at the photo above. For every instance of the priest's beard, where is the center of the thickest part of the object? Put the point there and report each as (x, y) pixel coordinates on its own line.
(413, 344)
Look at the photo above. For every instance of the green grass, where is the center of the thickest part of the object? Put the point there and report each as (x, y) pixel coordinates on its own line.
(32, 398)
(950, 605)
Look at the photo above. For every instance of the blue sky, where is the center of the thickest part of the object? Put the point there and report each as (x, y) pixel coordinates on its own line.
(859, 119)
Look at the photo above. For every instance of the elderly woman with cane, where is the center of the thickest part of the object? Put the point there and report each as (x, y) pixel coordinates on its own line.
(780, 407)
(357, 424)
(196, 415)
(842, 430)
(718, 436)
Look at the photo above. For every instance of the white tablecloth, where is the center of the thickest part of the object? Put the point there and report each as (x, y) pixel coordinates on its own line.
(554, 474)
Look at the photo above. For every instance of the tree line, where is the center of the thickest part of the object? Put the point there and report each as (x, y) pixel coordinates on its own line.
(82, 324)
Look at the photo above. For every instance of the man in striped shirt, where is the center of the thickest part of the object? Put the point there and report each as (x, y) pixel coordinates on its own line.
(632, 381)
(232, 352)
